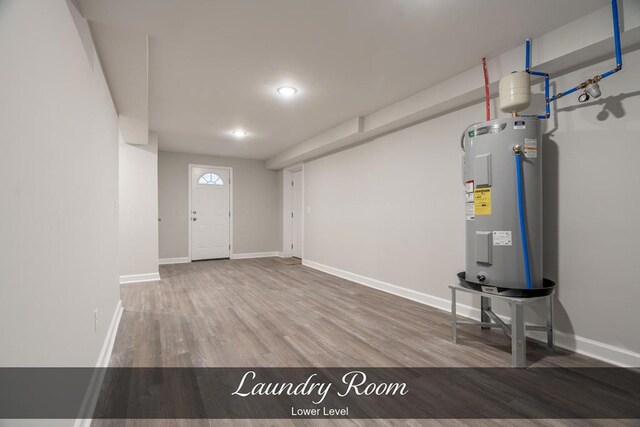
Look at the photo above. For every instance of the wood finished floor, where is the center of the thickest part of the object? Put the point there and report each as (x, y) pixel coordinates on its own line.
(262, 313)
(257, 312)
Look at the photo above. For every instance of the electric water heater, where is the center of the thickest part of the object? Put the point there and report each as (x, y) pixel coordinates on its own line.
(502, 176)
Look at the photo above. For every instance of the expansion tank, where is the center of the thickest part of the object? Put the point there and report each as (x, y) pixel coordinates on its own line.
(494, 253)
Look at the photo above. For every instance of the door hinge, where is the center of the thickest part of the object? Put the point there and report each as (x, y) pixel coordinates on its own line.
(292, 183)
(229, 214)
(229, 247)
(292, 246)
(291, 214)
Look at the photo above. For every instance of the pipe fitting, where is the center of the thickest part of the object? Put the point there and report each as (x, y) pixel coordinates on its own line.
(593, 89)
(584, 97)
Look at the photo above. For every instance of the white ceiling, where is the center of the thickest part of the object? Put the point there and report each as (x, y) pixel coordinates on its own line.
(214, 65)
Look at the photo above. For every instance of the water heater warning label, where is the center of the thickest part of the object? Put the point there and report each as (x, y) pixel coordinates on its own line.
(468, 187)
(468, 192)
(482, 201)
(502, 238)
(471, 214)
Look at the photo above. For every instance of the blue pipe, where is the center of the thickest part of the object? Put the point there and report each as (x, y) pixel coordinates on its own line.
(523, 228)
(570, 91)
(616, 39)
(567, 92)
(547, 108)
(608, 73)
(560, 95)
(616, 32)
(546, 82)
(547, 105)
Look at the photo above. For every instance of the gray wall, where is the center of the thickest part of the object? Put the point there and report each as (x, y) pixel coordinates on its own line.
(256, 208)
(392, 209)
(59, 188)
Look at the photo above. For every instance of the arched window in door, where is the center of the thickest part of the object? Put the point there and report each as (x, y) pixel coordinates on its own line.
(210, 179)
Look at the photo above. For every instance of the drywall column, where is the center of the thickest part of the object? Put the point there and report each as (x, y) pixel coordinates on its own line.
(125, 55)
(139, 211)
(59, 175)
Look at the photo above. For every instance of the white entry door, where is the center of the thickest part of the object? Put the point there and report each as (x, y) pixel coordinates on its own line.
(210, 213)
(296, 214)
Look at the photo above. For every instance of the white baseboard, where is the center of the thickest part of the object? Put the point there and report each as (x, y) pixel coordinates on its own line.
(585, 346)
(595, 349)
(93, 392)
(256, 255)
(186, 260)
(136, 278)
(182, 260)
(110, 339)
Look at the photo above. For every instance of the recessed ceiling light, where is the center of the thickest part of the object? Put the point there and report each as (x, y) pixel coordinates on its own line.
(239, 133)
(287, 90)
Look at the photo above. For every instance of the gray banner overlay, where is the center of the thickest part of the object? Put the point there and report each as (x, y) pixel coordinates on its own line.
(249, 393)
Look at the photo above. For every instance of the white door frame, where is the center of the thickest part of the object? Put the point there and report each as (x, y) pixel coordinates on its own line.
(193, 165)
(287, 237)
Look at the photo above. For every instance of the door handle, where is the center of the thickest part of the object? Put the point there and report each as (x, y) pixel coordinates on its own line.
(194, 219)
(194, 212)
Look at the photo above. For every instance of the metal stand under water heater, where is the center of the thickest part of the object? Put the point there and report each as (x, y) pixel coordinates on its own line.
(502, 174)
